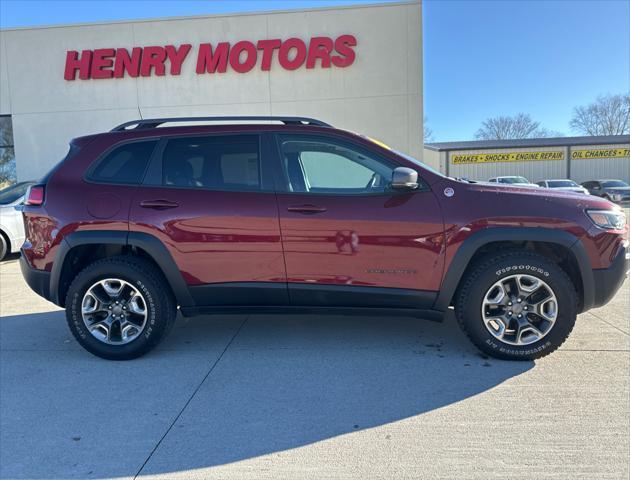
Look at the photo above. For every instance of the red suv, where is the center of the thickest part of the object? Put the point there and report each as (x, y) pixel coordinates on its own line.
(287, 214)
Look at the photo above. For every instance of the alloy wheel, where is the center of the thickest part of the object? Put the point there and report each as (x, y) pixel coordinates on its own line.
(519, 309)
(114, 311)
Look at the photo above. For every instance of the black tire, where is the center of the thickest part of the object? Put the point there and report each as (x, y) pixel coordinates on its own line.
(4, 247)
(482, 276)
(148, 280)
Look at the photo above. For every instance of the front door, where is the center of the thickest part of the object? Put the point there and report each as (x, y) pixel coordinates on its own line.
(348, 239)
(209, 202)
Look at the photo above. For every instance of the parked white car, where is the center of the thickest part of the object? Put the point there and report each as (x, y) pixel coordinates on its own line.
(563, 184)
(513, 180)
(11, 224)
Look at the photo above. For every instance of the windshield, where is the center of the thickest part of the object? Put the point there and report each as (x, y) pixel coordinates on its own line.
(13, 193)
(513, 180)
(614, 184)
(562, 183)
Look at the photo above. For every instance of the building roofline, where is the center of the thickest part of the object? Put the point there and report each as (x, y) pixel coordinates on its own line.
(528, 142)
(217, 15)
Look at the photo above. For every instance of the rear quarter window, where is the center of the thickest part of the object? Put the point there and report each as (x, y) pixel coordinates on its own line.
(125, 164)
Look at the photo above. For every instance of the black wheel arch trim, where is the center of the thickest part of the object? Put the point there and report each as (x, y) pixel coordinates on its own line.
(150, 244)
(472, 244)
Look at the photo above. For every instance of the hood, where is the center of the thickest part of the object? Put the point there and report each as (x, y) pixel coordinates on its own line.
(618, 189)
(539, 196)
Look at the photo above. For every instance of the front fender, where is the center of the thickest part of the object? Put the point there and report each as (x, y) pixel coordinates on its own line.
(474, 242)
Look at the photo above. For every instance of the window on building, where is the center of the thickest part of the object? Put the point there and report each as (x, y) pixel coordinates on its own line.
(8, 174)
(218, 162)
(125, 164)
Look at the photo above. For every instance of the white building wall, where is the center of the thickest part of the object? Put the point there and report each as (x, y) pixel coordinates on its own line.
(432, 159)
(601, 168)
(380, 94)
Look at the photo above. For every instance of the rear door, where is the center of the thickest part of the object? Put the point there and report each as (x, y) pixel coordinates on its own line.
(348, 239)
(209, 200)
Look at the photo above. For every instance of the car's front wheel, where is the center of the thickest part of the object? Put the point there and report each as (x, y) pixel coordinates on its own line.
(517, 305)
(118, 309)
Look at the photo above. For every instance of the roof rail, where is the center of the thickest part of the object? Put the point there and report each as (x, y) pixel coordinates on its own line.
(156, 122)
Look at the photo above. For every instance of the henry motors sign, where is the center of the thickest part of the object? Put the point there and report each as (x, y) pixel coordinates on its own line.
(243, 56)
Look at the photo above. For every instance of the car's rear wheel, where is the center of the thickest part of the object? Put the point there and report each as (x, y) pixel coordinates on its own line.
(517, 305)
(118, 309)
(4, 247)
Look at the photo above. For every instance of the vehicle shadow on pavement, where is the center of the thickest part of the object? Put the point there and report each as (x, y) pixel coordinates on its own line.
(224, 389)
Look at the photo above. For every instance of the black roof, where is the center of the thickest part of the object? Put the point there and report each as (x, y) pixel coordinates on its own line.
(528, 142)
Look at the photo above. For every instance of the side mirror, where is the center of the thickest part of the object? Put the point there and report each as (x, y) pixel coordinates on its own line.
(404, 178)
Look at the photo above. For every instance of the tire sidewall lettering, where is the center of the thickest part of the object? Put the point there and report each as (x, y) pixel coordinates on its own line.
(528, 268)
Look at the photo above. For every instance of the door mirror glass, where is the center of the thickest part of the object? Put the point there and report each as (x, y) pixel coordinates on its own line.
(404, 178)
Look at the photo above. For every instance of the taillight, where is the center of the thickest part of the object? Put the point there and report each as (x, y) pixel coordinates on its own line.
(35, 195)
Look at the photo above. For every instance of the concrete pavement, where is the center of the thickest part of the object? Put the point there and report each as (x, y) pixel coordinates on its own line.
(274, 397)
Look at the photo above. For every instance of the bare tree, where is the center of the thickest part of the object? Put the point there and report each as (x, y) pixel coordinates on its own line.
(608, 115)
(428, 133)
(508, 128)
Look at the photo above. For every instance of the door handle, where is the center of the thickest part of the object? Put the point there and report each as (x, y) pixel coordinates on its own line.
(158, 204)
(306, 209)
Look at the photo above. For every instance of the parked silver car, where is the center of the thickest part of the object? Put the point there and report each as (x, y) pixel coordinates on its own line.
(563, 184)
(513, 180)
(11, 224)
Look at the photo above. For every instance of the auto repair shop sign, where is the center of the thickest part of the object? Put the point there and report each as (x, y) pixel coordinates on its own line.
(241, 57)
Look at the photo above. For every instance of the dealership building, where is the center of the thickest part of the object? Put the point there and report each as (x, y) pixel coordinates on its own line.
(357, 68)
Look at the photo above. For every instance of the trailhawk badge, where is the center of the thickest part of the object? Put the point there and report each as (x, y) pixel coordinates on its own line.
(449, 192)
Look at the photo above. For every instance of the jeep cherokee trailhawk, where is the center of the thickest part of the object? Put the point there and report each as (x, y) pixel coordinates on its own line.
(274, 214)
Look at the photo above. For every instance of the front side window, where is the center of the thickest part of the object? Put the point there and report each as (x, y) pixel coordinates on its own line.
(314, 165)
(125, 164)
(229, 162)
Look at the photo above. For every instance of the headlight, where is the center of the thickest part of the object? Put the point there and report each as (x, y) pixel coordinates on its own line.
(616, 197)
(609, 219)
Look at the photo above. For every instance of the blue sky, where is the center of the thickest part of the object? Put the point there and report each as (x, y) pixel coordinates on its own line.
(481, 58)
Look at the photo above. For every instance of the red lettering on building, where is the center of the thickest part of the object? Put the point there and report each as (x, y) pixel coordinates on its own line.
(209, 61)
(241, 57)
(125, 63)
(268, 47)
(81, 63)
(292, 54)
(177, 56)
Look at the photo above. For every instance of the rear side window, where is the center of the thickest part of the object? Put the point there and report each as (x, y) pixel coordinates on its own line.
(125, 164)
(218, 162)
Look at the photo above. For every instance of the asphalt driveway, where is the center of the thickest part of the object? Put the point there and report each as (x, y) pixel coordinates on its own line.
(274, 397)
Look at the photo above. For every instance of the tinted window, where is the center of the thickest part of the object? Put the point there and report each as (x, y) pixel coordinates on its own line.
(323, 166)
(125, 164)
(13, 193)
(230, 162)
(615, 184)
(562, 183)
(513, 180)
